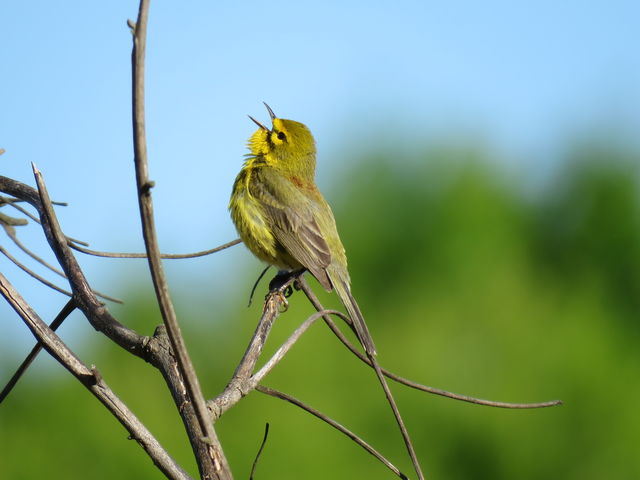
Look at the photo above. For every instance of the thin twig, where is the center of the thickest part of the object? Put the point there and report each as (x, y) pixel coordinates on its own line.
(333, 423)
(91, 379)
(255, 285)
(243, 382)
(238, 386)
(155, 350)
(264, 442)
(21, 209)
(17, 200)
(8, 221)
(170, 256)
(34, 274)
(293, 338)
(13, 202)
(86, 300)
(436, 391)
(64, 313)
(387, 391)
(11, 233)
(49, 284)
(207, 435)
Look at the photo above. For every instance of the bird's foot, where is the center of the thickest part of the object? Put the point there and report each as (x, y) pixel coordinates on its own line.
(281, 285)
(282, 301)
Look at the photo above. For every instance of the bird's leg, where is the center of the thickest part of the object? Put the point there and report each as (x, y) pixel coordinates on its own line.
(281, 284)
(283, 280)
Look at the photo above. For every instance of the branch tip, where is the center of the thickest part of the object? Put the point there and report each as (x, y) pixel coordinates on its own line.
(264, 442)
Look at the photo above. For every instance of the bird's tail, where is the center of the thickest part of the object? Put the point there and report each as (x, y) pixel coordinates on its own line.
(343, 290)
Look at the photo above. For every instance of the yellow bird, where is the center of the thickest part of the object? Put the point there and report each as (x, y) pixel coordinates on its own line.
(282, 217)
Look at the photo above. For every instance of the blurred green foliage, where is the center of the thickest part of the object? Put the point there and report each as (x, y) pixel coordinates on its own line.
(468, 284)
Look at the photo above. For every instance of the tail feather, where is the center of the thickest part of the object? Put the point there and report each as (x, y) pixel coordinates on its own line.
(344, 292)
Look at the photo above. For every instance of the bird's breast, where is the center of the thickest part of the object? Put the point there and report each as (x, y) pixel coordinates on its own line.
(250, 220)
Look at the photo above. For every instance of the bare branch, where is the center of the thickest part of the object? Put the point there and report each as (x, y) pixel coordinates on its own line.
(7, 221)
(264, 442)
(333, 423)
(156, 350)
(383, 382)
(86, 300)
(286, 346)
(170, 256)
(64, 313)
(237, 386)
(13, 203)
(255, 285)
(91, 379)
(34, 274)
(435, 391)
(11, 233)
(219, 468)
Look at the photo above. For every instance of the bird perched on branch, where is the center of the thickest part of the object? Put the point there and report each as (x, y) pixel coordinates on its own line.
(283, 218)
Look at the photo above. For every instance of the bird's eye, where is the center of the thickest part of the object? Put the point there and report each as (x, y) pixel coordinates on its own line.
(281, 136)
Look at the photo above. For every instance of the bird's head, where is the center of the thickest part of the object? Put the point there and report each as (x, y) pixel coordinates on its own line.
(288, 145)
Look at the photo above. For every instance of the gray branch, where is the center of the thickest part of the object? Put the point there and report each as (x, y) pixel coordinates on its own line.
(93, 381)
(201, 434)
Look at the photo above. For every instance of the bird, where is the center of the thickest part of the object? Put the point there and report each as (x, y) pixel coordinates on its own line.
(283, 218)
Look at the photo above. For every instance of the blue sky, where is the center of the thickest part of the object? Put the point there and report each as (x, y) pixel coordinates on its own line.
(522, 76)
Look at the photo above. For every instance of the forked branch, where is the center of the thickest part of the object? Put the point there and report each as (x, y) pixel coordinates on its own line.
(93, 381)
(245, 381)
(316, 413)
(410, 383)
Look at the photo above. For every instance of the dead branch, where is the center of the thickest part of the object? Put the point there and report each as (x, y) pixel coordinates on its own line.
(244, 381)
(170, 256)
(11, 233)
(155, 350)
(264, 442)
(33, 274)
(237, 386)
(410, 383)
(93, 381)
(64, 313)
(215, 465)
(286, 346)
(333, 423)
(385, 387)
(14, 203)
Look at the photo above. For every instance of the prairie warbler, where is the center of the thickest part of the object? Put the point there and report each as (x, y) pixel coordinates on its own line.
(283, 218)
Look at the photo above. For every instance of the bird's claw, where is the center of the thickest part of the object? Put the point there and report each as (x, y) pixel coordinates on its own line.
(282, 287)
(284, 303)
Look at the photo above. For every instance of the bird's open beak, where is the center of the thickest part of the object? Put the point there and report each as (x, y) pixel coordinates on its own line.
(271, 114)
(258, 123)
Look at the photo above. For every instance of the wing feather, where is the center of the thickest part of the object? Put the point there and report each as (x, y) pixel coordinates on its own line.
(292, 218)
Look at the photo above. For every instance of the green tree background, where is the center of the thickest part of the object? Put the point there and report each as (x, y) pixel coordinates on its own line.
(470, 281)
